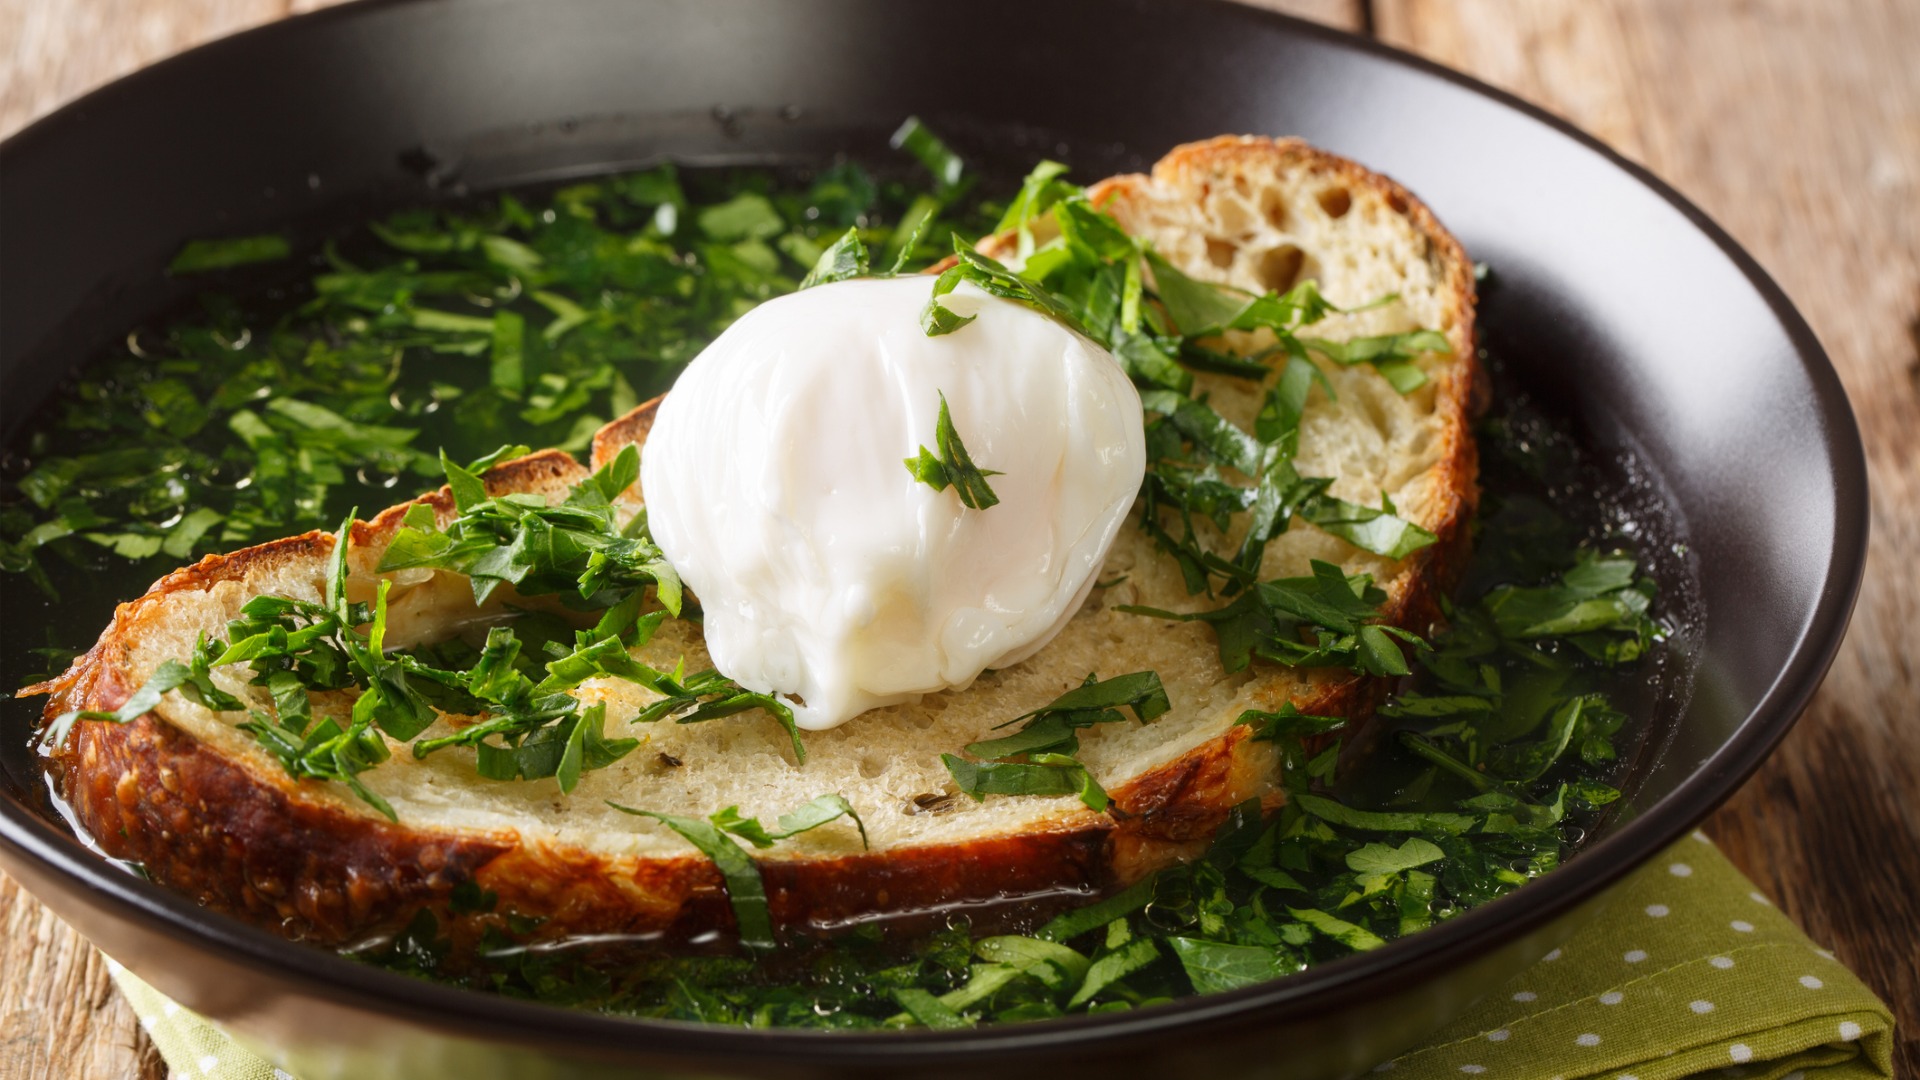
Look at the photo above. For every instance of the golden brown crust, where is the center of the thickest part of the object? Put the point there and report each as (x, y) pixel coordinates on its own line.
(624, 431)
(255, 846)
(293, 857)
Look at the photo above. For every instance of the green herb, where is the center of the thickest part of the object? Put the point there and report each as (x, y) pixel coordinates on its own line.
(953, 466)
(747, 216)
(1390, 354)
(1315, 621)
(1081, 920)
(1043, 187)
(929, 1011)
(919, 140)
(1213, 967)
(1039, 774)
(1600, 605)
(575, 549)
(1103, 974)
(996, 280)
(1095, 701)
(1379, 858)
(199, 256)
(1288, 723)
(170, 675)
(1036, 760)
(846, 258)
(745, 890)
(1380, 530)
(708, 695)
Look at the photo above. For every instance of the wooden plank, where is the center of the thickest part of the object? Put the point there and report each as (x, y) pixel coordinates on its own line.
(1797, 127)
(57, 51)
(1345, 14)
(60, 1016)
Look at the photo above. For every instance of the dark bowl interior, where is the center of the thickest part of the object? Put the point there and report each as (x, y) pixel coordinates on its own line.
(1618, 303)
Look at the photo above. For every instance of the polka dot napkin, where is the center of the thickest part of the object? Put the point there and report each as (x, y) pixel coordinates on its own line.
(1688, 972)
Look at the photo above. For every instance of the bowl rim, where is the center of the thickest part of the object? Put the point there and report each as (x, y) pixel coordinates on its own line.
(1326, 988)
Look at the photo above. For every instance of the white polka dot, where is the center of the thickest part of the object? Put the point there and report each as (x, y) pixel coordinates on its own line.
(1740, 1052)
(1385, 1066)
(1499, 1036)
(1626, 1076)
(1611, 997)
(1554, 955)
(1742, 925)
(1634, 956)
(1680, 869)
(209, 1063)
(1589, 1039)
(1827, 953)
(169, 1008)
(1700, 836)
(1759, 899)
(1722, 962)
(1473, 1068)
(1525, 995)
(1849, 1030)
(1810, 982)
(1795, 1075)
(1701, 1007)
(1658, 910)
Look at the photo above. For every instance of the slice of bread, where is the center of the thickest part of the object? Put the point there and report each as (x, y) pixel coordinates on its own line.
(208, 812)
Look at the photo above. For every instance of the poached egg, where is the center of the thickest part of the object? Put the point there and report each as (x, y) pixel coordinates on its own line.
(775, 483)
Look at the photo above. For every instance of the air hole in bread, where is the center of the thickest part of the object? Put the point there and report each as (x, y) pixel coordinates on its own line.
(1220, 253)
(1273, 208)
(1397, 202)
(1280, 267)
(1336, 201)
(1377, 410)
(932, 803)
(873, 766)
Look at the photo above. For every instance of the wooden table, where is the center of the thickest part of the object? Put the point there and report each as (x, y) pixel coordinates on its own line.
(1794, 123)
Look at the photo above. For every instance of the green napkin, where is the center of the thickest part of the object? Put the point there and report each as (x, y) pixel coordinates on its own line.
(1688, 970)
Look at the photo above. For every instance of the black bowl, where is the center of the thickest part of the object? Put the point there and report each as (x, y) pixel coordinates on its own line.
(1618, 302)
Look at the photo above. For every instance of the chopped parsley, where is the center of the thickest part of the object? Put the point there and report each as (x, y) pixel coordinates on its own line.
(1315, 621)
(198, 256)
(745, 891)
(953, 466)
(1037, 759)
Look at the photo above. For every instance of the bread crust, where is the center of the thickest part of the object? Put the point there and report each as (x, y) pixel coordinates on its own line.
(297, 858)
